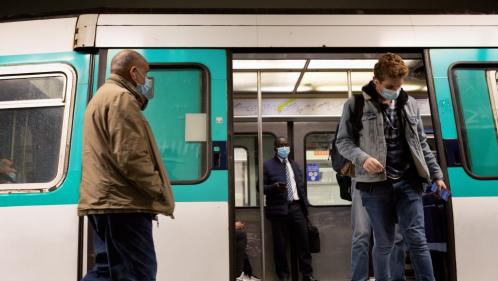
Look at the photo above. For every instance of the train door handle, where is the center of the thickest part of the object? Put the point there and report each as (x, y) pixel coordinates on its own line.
(219, 152)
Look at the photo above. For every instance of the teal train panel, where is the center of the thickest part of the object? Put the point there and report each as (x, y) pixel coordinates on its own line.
(177, 95)
(214, 188)
(68, 192)
(474, 97)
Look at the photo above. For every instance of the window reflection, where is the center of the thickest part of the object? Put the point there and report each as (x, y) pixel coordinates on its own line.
(246, 167)
(31, 88)
(30, 147)
(322, 185)
(241, 170)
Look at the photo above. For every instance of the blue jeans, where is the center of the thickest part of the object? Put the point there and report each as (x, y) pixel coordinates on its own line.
(361, 238)
(362, 231)
(124, 248)
(397, 262)
(400, 201)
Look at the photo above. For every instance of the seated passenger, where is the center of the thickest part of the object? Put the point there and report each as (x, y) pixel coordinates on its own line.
(243, 266)
(7, 172)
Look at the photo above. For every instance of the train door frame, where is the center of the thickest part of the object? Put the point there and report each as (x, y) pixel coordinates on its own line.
(442, 160)
(419, 52)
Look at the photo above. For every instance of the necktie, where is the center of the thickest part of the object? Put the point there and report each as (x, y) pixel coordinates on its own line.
(290, 193)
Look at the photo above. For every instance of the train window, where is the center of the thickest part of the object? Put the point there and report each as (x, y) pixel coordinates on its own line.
(246, 167)
(241, 171)
(34, 122)
(322, 185)
(181, 104)
(32, 88)
(477, 100)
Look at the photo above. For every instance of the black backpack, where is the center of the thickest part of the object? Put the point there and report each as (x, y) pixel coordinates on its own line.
(338, 161)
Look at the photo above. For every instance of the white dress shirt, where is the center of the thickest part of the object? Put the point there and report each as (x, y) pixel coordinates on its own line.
(292, 177)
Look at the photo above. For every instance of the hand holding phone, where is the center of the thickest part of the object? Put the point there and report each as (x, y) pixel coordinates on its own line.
(441, 193)
(280, 186)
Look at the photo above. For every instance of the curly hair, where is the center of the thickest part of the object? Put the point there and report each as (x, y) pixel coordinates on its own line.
(390, 66)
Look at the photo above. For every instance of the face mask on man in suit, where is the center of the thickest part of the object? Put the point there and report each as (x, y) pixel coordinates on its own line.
(283, 152)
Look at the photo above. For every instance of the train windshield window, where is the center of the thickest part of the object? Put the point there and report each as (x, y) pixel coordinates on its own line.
(34, 112)
(322, 185)
(477, 103)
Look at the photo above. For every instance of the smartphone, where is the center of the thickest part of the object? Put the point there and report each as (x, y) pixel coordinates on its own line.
(443, 193)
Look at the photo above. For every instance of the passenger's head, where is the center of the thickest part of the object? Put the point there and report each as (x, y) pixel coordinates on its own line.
(389, 74)
(130, 65)
(281, 147)
(6, 166)
(7, 172)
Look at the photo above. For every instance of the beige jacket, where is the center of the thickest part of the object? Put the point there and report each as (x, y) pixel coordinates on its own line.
(122, 167)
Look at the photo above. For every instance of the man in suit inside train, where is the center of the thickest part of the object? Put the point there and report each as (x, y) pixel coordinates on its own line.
(287, 210)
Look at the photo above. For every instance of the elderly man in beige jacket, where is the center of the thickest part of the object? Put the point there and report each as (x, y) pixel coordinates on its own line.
(124, 183)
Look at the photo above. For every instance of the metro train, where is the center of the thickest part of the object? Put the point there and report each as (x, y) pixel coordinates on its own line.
(206, 69)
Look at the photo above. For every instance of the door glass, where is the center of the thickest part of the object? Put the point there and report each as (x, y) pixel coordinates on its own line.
(180, 94)
(476, 95)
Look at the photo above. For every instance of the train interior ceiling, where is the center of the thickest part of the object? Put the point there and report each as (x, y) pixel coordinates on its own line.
(302, 99)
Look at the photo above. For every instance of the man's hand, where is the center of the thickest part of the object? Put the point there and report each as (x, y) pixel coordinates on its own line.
(280, 186)
(373, 166)
(239, 225)
(440, 184)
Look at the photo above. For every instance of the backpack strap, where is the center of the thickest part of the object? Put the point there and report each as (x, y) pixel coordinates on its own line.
(359, 103)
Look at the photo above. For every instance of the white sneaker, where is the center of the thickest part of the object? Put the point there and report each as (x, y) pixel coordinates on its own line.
(244, 277)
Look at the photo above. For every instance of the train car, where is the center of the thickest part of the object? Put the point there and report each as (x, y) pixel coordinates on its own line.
(225, 86)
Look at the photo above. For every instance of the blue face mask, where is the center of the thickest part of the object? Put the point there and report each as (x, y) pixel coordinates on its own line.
(146, 88)
(283, 152)
(12, 176)
(390, 94)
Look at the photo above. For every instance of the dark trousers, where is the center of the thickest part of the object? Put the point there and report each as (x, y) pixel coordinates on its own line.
(124, 248)
(293, 229)
(242, 263)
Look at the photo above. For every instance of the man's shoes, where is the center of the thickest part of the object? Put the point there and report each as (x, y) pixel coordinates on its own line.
(309, 278)
(245, 277)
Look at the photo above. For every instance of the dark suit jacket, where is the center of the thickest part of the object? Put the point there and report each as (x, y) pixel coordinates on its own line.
(276, 201)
